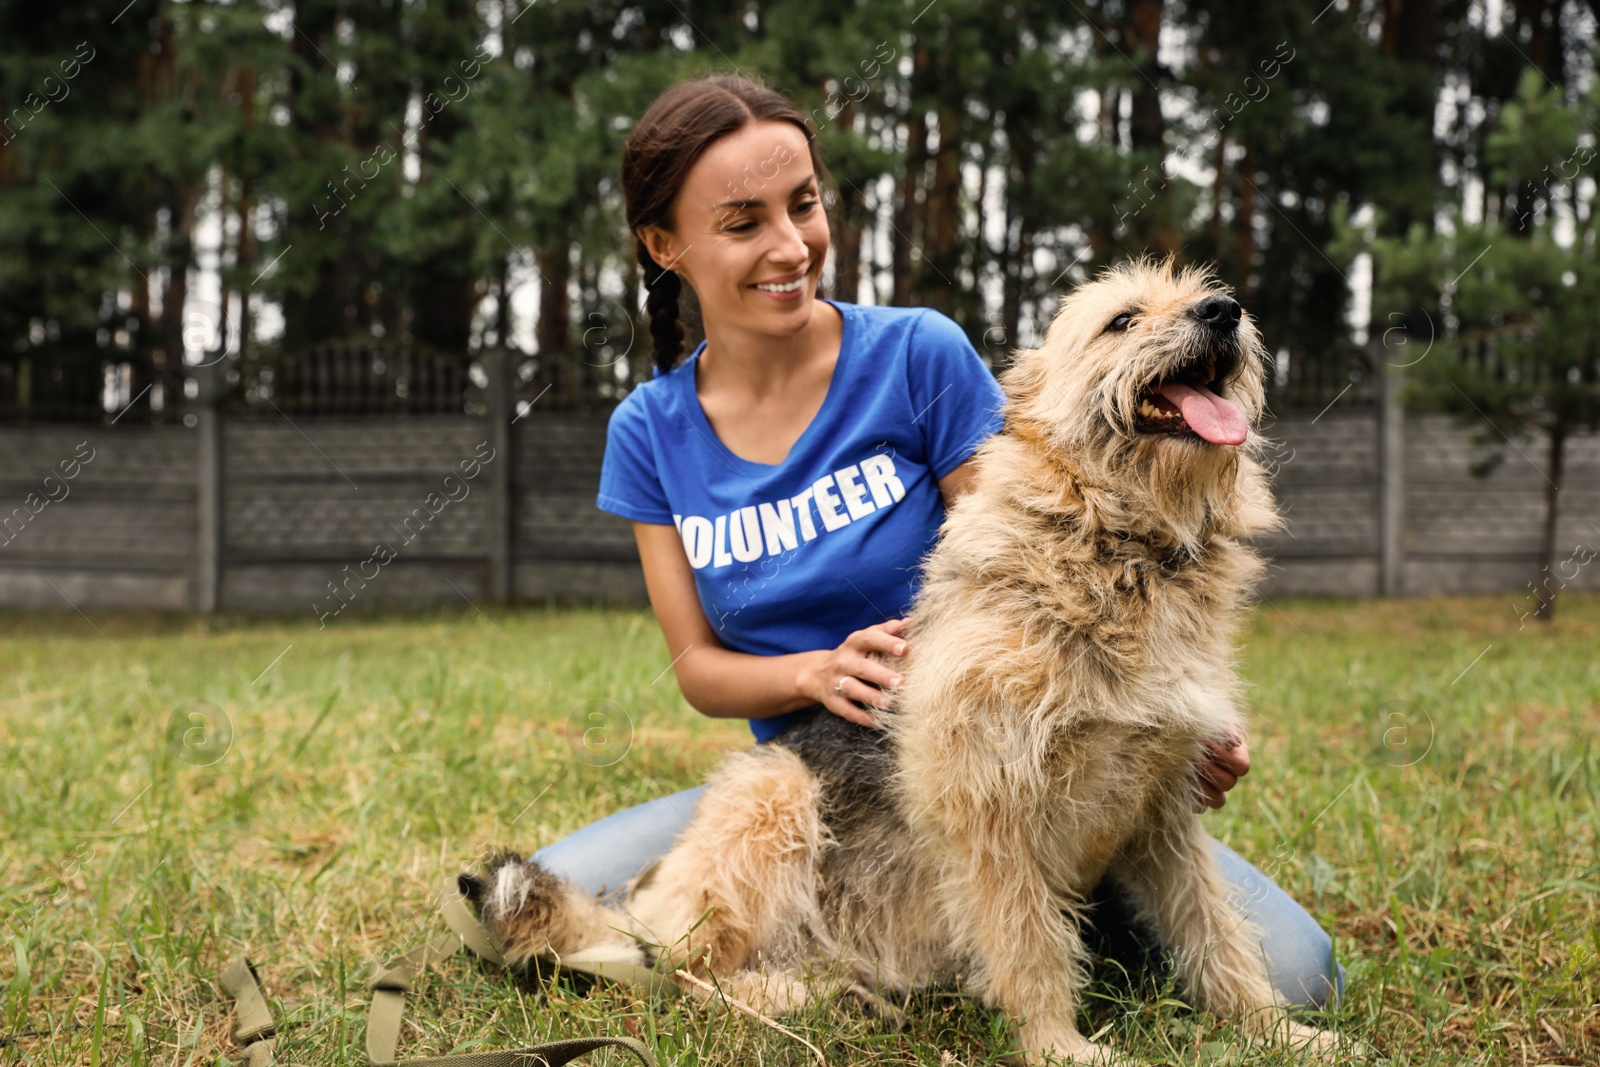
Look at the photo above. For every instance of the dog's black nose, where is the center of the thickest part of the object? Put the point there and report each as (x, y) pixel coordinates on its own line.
(1218, 312)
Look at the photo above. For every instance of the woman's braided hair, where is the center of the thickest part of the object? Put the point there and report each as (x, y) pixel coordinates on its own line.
(665, 144)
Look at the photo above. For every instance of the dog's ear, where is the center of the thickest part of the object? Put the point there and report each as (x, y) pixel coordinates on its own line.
(471, 886)
(476, 887)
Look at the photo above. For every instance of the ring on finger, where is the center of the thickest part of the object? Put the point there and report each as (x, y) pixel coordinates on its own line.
(838, 687)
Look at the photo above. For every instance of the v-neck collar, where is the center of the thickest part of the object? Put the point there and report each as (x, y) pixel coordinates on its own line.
(697, 413)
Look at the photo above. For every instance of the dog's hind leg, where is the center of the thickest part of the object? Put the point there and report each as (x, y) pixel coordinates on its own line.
(1172, 877)
(766, 993)
(740, 885)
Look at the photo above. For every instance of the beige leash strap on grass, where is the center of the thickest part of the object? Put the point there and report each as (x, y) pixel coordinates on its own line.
(256, 1033)
(465, 925)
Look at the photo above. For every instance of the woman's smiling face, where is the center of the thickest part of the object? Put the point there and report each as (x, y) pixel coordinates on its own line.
(749, 230)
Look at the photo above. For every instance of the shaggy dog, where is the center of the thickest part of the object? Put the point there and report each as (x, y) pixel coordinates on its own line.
(1070, 654)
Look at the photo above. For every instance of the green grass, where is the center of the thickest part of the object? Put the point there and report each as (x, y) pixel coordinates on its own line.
(1438, 814)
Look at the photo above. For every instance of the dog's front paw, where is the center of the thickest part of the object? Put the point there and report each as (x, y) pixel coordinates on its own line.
(1045, 1047)
(1323, 1044)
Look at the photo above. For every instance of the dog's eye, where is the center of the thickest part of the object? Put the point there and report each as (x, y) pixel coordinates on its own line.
(1121, 322)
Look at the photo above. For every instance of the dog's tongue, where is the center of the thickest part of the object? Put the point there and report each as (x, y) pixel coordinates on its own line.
(1212, 417)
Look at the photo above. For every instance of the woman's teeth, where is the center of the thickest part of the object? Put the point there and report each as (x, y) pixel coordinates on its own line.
(783, 287)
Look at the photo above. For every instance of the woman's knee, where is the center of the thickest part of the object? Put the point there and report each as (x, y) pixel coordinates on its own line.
(1303, 967)
(1299, 952)
(602, 857)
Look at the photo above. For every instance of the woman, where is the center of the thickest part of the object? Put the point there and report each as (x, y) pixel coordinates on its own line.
(785, 480)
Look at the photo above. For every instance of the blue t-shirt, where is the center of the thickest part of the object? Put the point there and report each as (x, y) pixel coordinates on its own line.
(794, 556)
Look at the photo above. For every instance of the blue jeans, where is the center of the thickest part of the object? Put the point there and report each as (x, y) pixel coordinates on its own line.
(601, 857)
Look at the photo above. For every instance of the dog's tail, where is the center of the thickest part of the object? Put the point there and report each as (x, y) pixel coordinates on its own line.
(536, 915)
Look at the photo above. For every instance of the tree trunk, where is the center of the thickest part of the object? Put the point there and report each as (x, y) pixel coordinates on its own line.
(320, 313)
(245, 257)
(1147, 130)
(978, 251)
(443, 286)
(847, 249)
(180, 254)
(502, 309)
(1408, 31)
(905, 208)
(222, 264)
(847, 242)
(1547, 551)
(1519, 209)
(943, 207)
(1020, 254)
(1110, 112)
(638, 353)
(1219, 186)
(555, 315)
(1246, 223)
(1146, 127)
(1544, 27)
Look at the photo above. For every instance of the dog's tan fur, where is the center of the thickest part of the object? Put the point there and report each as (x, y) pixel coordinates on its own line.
(1071, 652)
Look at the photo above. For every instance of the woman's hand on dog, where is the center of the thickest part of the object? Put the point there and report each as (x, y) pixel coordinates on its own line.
(1219, 770)
(864, 678)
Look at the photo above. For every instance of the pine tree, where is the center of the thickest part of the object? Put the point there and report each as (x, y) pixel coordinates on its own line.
(1514, 299)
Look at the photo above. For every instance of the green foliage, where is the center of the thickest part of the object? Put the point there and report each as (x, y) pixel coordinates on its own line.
(1512, 340)
(1534, 129)
(1511, 314)
(386, 167)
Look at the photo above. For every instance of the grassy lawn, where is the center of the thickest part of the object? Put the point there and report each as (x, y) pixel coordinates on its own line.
(1425, 783)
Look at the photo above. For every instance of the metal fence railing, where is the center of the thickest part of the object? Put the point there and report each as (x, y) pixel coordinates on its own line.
(68, 387)
(370, 378)
(1296, 383)
(355, 379)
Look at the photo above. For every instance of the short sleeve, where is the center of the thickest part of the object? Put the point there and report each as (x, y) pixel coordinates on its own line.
(629, 483)
(955, 398)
